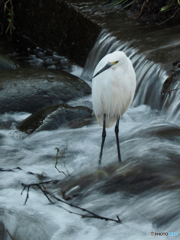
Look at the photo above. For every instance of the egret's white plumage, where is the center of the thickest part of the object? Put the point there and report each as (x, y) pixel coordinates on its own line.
(113, 88)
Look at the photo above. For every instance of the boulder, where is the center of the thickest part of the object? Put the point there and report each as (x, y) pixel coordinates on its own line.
(53, 117)
(31, 89)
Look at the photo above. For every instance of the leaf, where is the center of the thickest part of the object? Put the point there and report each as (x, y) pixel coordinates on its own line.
(164, 8)
(129, 4)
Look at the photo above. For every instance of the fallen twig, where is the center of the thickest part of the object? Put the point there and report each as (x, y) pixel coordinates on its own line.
(57, 163)
(171, 90)
(9, 170)
(47, 194)
(10, 235)
(33, 185)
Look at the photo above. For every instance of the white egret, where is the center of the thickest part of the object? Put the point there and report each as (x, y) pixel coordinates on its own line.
(113, 88)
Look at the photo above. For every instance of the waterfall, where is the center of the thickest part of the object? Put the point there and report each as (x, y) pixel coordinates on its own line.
(172, 104)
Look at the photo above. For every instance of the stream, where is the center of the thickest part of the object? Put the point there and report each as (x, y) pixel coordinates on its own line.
(143, 190)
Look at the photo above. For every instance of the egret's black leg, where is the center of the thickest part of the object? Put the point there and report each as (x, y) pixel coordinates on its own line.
(117, 139)
(103, 138)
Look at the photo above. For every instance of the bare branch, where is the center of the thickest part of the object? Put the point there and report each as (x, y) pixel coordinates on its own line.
(173, 89)
(32, 185)
(47, 194)
(57, 163)
(10, 235)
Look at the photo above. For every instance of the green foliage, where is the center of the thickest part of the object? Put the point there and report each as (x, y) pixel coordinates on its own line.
(125, 3)
(169, 5)
(9, 17)
(172, 4)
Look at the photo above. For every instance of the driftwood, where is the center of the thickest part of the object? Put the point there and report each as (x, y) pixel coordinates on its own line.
(49, 196)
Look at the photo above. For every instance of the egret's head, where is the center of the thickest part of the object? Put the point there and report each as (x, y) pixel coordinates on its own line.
(107, 66)
(114, 60)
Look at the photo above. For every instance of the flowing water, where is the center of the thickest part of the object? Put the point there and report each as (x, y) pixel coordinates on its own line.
(143, 191)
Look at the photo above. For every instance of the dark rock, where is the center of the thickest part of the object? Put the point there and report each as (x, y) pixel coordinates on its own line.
(56, 25)
(52, 117)
(29, 90)
(173, 77)
(6, 63)
(165, 220)
(2, 231)
(113, 179)
(124, 177)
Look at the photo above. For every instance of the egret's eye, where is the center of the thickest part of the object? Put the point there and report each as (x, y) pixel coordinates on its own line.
(114, 62)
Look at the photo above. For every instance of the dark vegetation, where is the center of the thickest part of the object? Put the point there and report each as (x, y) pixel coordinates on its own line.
(6, 18)
(149, 10)
(159, 11)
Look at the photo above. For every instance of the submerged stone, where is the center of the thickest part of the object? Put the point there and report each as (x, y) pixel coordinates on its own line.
(53, 117)
(128, 177)
(114, 178)
(29, 90)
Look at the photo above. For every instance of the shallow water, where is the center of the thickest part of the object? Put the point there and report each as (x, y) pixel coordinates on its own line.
(146, 141)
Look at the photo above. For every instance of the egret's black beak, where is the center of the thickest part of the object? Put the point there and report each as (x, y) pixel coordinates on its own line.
(108, 65)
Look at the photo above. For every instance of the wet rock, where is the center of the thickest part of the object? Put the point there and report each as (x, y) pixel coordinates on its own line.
(124, 177)
(6, 63)
(111, 179)
(165, 220)
(132, 181)
(5, 124)
(52, 117)
(166, 131)
(173, 76)
(29, 90)
(2, 231)
(168, 88)
(56, 25)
